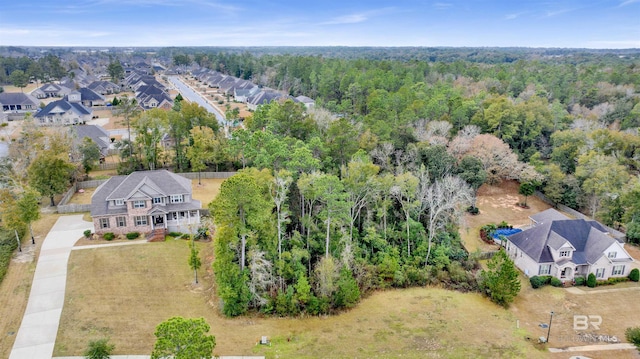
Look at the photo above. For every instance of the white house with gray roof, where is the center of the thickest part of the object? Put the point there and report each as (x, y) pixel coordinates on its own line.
(565, 248)
(144, 202)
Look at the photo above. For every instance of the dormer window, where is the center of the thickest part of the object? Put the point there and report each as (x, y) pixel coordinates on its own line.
(565, 253)
(119, 202)
(139, 204)
(612, 254)
(158, 200)
(177, 198)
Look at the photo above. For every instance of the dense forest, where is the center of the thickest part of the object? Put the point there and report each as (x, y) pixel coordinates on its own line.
(365, 190)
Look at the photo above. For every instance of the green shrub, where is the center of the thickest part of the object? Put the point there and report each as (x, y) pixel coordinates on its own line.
(473, 210)
(633, 336)
(87, 233)
(8, 244)
(634, 275)
(556, 282)
(175, 234)
(108, 236)
(537, 281)
(579, 281)
(591, 280)
(99, 349)
(133, 235)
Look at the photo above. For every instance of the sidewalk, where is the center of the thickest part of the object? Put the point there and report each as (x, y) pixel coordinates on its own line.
(592, 348)
(37, 334)
(578, 291)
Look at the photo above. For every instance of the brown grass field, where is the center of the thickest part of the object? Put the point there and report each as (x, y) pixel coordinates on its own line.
(123, 292)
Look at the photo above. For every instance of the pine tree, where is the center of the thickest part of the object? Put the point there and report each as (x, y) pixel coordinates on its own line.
(500, 280)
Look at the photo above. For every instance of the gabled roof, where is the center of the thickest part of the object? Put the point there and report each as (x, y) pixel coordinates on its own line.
(65, 106)
(87, 94)
(141, 184)
(96, 133)
(547, 216)
(263, 97)
(587, 239)
(17, 98)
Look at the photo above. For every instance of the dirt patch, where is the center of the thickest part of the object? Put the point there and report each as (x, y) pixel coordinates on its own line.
(498, 203)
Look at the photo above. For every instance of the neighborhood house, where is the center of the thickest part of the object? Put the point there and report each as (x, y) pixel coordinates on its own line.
(566, 248)
(146, 202)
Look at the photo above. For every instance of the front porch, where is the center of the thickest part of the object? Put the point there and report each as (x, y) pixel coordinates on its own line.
(179, 221)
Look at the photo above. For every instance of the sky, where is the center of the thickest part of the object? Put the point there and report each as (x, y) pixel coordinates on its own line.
(456, 23)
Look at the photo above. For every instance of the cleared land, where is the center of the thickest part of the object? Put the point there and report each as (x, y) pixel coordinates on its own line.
(497, 204)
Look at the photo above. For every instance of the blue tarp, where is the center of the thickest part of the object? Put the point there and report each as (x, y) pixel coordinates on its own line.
(505, 232)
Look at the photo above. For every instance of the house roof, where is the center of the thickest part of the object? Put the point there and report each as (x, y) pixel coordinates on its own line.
(141, 184)
(547, 216)
(17, 98)
(96, 133)
(65, 106)
(87, 94)
(586, 238)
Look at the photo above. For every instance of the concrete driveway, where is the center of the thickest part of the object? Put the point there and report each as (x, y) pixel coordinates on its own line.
(37, 334)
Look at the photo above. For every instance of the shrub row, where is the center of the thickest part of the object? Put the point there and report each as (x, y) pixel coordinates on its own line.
(110, 236)
(540, 281)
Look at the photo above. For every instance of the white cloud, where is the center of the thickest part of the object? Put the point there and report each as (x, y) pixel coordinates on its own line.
(628, 2)
(357, 17)
(514, 15)
(442, 5)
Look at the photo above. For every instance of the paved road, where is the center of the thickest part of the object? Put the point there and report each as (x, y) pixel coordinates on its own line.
(193, 96)
(37, 334)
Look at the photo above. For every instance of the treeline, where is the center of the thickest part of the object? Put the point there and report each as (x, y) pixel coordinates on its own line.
(18, 71)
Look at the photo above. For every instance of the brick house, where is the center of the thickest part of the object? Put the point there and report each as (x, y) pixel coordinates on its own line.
(144, 202)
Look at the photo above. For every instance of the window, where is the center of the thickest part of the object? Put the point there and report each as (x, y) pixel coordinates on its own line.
(121, 221)
(600, 273)
(176, 198)
(104, 222)
(157, 200)
(119, 202)
(565, 253)
(139, 204)
(617, 270)
(141, 220)
(612, 254)
(545, 269)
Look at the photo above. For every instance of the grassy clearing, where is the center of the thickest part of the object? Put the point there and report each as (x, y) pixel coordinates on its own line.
(124, 292)
(15, 288)
(83, 197)
(206, 191)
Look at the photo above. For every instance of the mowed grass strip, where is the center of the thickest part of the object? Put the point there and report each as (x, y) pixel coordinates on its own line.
(122, 293)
